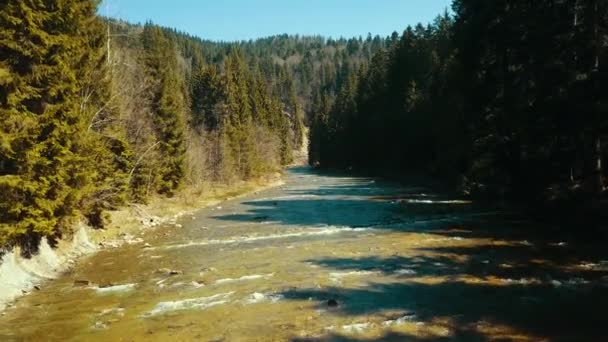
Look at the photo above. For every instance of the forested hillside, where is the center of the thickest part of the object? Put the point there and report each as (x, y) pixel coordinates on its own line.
(494, 98)
(501, 99)
(96, 113)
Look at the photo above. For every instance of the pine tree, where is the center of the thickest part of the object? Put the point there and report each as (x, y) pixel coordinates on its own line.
(45, 169)
(296, 118)
(319, 130)
(206, 93)
(169, 108)
(238, 123)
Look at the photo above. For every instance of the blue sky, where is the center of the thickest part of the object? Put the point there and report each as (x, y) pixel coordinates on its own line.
(230, 20)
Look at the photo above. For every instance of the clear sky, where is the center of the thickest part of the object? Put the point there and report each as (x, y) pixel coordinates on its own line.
(230, 20)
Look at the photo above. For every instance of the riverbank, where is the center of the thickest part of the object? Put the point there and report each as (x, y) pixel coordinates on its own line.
(19, 276)
(134, 220)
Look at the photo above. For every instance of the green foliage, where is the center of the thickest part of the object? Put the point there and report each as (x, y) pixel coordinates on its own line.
(503, 99)
(46, 173)
(207, 93)
(82, 132)
(169, 108)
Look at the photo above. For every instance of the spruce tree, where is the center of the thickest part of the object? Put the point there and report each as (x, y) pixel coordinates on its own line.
(169, 107)
(45, 169)
(206, 94)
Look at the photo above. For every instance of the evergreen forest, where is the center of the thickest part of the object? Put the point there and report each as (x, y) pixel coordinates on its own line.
(497, 99)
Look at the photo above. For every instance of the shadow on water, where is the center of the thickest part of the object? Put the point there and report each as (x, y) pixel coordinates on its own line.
(521, 290)
(531, 309)
(355, 203)
(523, 281)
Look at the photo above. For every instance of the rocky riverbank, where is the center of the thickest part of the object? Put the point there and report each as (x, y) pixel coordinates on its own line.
(20, 275)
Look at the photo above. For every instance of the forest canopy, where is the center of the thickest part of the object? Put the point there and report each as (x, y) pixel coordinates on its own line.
(501, 99)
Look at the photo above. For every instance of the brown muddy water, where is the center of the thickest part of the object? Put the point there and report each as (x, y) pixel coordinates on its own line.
(330, 258)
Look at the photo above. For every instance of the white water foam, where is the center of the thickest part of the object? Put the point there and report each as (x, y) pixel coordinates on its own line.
(337, 277)
(244, 278)
(405, 271)
(356, 328)
(114, 289)
(258, 297)
(200, 303)
(521, 281)
(399, 321)
(112, 311)
(281, 198)
(331, 230)
(454, 238)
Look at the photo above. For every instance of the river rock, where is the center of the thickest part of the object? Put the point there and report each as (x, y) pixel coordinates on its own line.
(81, 282)
(198, 283)
(100, 325)
(332, 303)
(169, 271)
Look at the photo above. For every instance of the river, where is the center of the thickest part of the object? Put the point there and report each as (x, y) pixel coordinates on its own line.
(326, 257)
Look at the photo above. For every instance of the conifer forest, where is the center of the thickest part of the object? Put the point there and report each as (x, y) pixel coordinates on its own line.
(461, 158)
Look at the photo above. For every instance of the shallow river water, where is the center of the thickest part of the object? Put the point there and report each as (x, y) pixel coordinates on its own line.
(330, 258)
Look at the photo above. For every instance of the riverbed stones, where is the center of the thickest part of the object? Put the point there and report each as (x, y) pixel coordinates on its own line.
(81, 283)
(169, 272)
(101, 325)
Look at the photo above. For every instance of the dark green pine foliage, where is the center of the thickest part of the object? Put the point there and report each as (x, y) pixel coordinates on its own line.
(169, 107)
(238, 120)
(533, 93)
(295, 110)
(207, 95)
(318, 133)
(504, 99)
(46, 173)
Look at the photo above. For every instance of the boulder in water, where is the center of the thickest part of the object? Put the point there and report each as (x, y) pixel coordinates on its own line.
(332, 303)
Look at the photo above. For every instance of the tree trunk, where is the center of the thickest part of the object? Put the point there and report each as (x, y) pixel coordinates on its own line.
(599, 172)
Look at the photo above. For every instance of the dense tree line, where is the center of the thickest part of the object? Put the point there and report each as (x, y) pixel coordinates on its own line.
(502, 98)
(95, 113)
(294, 67)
